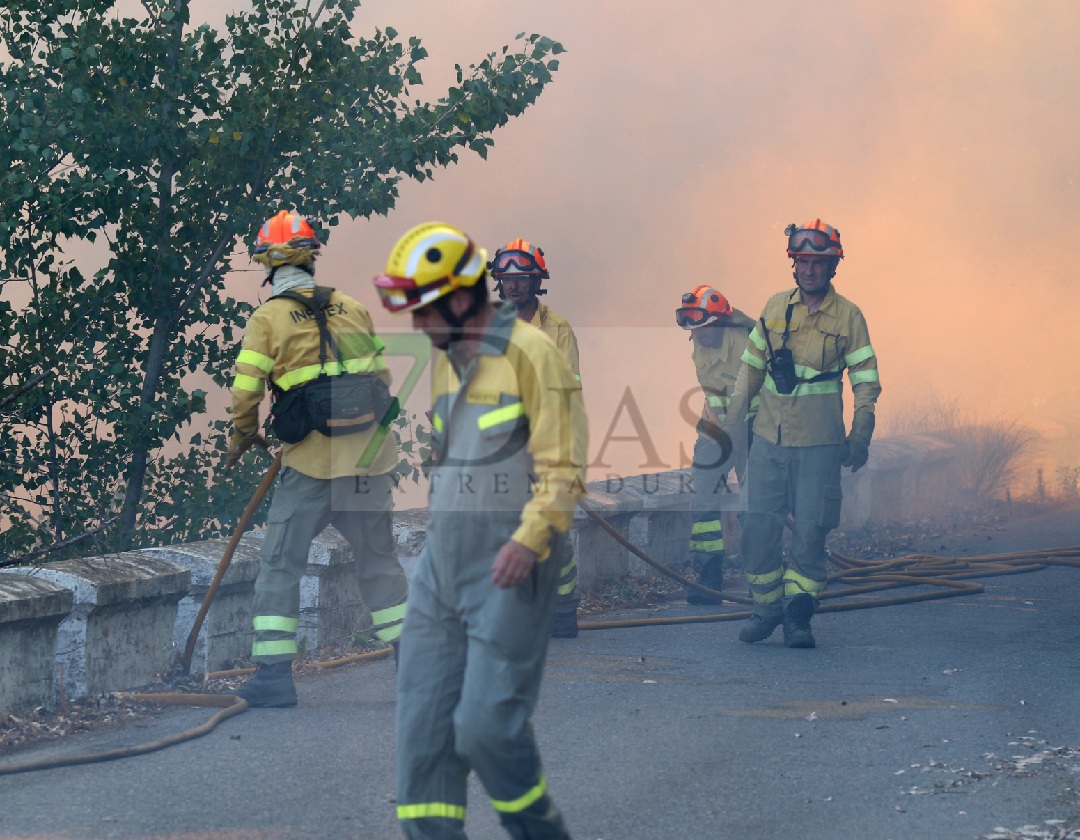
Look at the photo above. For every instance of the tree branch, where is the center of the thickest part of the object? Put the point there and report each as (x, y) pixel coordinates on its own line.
(18, 561)
(22, 389)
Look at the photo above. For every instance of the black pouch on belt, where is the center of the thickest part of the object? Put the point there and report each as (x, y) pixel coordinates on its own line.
(341, 404)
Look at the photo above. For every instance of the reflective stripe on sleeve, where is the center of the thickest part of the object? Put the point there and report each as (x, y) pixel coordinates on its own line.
(250, 357)
(753, 360)
(243, 382)
(860, 376)
(856, 356)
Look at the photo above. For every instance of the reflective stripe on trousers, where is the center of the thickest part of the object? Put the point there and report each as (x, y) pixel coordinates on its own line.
(302, 507)
(562, 555)
(805, 482)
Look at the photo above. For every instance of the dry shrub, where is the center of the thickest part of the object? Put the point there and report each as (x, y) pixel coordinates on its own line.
(989, 453)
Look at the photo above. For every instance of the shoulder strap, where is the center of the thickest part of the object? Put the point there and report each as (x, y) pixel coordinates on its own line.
(317, 305)
(765, 333)
(787, 317)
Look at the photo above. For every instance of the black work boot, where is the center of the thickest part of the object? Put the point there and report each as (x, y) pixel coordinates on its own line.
(271, 687)
(565, 626)
(759, 628)
(797, 615)
(712, 576)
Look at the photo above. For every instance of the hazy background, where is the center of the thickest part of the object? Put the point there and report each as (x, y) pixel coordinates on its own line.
(941, 137)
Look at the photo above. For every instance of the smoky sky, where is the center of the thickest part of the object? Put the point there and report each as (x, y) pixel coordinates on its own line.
(679, 139)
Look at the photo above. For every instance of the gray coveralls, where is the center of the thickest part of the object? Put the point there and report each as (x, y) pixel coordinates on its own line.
(472, 654)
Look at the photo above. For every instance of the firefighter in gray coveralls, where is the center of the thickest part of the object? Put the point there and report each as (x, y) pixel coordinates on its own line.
(510, 440)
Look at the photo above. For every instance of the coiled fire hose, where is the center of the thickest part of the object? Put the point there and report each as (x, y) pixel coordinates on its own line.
(860, 577)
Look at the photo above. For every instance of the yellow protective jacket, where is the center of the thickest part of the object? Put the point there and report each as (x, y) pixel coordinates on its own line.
(831, 339)
(510, 439)
(281, 343)
(558, 329)
(718, 367)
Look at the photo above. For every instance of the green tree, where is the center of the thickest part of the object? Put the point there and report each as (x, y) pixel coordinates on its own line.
(162, 143)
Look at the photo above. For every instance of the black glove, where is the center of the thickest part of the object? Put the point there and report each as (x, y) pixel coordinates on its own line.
(858, 442)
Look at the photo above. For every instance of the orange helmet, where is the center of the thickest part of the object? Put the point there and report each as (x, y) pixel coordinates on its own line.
(286, 239)
(814, 238)
(525, 257)
(519, 259)
(701, 307)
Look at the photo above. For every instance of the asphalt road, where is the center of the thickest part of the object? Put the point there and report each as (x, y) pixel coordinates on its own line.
(942, 719)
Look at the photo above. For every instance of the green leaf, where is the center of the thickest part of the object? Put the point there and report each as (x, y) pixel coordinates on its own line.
(177, 143)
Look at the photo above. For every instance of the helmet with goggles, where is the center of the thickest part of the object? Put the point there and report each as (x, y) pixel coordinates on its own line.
(815, 238)
(519, 258)
(701, 307)
(429, 262)
(286, 239)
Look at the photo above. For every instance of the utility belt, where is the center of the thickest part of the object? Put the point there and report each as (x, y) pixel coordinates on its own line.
(781, 363)
(342, 404)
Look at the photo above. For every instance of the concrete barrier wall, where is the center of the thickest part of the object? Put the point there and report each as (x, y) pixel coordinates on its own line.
(115, 622)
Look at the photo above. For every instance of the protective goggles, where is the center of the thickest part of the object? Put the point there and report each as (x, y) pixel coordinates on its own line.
(524, 261)
(689, 317)
(401, 294)
(806, 241)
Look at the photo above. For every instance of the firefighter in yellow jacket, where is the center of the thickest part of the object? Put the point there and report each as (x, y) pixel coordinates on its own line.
(719, 333)
(316, 349)
(796, 357)
(519, 271)
(510, 442)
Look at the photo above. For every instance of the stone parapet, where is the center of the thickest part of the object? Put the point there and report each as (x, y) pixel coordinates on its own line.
(131, 613)
(905, 478)
(31, 610)
(119, 633)
(226, 633)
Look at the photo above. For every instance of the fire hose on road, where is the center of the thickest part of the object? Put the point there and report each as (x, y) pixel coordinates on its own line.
(947, 577)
